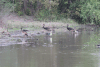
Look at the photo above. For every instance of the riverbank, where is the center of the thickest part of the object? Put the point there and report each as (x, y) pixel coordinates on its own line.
(14, 23)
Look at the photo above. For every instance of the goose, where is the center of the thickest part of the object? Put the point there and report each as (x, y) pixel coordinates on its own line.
(46, 28)
(69, 28)
(2, 32)
(24, 32)
(6, 33)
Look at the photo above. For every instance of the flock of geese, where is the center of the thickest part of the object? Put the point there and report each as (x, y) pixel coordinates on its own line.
(50, 29)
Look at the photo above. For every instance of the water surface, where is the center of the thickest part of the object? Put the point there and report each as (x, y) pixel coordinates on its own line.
(62, 49)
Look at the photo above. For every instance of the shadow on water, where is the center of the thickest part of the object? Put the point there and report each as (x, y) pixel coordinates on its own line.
(62, 49)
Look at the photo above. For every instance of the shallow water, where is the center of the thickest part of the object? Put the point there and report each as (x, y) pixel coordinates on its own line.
(62, 49)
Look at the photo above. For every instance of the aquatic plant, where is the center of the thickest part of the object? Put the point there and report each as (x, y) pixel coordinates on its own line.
(94, 40)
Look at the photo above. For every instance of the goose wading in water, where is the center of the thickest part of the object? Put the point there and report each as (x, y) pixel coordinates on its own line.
(71, 29)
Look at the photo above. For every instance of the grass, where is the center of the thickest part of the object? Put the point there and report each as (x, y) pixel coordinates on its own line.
(14, 23)
(37, 24)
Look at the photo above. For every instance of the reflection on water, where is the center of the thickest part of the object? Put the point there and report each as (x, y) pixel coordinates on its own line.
(59, 50)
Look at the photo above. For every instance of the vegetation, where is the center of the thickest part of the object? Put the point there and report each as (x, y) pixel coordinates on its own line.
(83, 11)
(94, 40)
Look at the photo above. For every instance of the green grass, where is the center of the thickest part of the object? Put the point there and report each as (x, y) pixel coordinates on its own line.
(14, 25)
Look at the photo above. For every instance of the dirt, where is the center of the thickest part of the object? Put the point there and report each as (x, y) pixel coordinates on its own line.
(14, 21)
(27, 22)
(13, 18)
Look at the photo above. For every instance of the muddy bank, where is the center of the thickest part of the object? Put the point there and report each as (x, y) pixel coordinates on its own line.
(17, 37)
(12, 24)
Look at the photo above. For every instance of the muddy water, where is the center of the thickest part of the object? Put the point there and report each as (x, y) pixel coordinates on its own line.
(62, 49)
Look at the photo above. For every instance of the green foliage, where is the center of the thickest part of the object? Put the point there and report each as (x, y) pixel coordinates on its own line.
(83, 11)
(6, 7)
(43, 14)
(70, 8)
(47, 15)
(18, 7)
(27, 11)
(74, 11)
(90, 12)
(20, 13)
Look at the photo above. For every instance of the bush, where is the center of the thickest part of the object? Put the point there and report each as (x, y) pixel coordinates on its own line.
(20, 13)
(43, 14)
(90, 12)
(47, 15)
(17, 8)
(28, 12)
